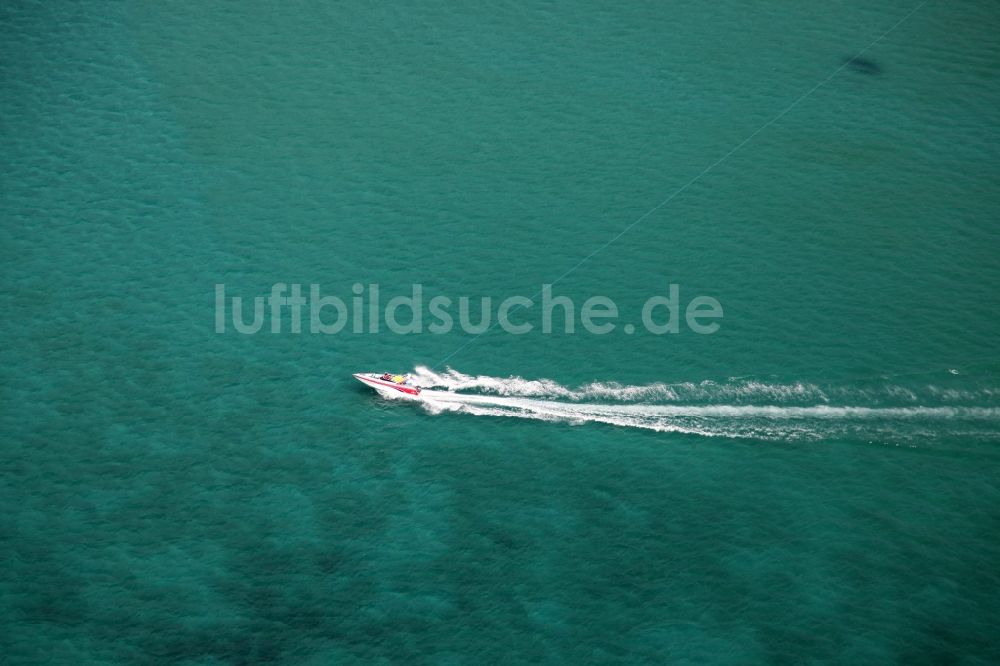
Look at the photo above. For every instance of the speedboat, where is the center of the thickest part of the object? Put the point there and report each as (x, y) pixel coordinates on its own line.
(388, 384)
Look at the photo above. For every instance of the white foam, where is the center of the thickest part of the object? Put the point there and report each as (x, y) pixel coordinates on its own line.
(453, 380)
(740, 390)
(656, 406)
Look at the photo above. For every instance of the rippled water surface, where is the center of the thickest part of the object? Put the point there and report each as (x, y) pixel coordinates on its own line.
(817, 481)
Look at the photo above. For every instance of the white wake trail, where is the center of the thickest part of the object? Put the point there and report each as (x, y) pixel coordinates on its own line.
(643, 407)
(735, 390)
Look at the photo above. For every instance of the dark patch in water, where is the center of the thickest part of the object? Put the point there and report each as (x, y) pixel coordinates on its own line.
(863, 65)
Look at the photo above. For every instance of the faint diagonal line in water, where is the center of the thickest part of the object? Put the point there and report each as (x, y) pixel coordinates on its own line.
(699, 176)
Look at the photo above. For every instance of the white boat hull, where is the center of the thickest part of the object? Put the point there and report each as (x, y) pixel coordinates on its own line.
(387, 388)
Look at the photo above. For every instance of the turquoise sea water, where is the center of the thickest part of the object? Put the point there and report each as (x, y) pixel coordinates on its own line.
(815, 482)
